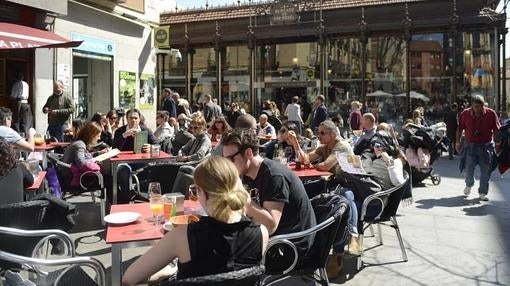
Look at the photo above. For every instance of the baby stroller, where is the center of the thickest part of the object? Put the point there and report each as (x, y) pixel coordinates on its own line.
(427, 144)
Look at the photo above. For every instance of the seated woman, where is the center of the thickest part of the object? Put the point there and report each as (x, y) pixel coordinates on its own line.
(223, 241)
(106, 133)
(14, 177)
(200, 146)
(219, 127)
(287, 130)
(79, 154)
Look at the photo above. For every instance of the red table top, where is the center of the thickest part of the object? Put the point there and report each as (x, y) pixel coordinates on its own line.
(37, 181)
(50, 146)
(141, 229)
(131, 156)
(308, 173)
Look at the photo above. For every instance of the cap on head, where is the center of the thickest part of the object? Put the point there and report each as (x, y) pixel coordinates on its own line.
(477, 99)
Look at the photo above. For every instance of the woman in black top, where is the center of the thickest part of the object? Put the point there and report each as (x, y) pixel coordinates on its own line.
(223, 241)
(14, 177)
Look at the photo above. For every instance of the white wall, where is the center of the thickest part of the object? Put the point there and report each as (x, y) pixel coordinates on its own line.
(43, 86)
(133, 45)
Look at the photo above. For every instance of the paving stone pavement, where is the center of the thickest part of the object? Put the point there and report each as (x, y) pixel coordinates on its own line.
(449, 239)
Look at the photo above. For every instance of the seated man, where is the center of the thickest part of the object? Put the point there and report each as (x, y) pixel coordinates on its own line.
(279, 200)
(12, 137)
(265, 129)
(124, 136)
(198, 147)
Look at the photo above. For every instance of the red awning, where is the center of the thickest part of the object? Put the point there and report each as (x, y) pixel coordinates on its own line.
(14, 36)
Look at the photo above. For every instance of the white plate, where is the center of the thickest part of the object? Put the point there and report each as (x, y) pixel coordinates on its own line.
(122, 217)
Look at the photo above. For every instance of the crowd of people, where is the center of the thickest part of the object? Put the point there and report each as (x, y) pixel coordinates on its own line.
(248, 196)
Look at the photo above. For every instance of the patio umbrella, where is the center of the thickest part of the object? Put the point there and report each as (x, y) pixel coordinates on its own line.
(13, 36)
(415, 95)
(379, 93)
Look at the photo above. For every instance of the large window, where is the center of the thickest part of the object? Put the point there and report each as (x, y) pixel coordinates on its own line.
(235, 76)
(204, 74)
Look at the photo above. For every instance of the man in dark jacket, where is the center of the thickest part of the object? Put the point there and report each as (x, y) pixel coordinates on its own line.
(169, 103)
(320, 112)
(124, 137)
(450, 119)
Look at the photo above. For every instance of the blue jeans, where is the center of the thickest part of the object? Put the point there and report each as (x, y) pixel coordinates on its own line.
(481, 155)
(57, 131)
(352, 221)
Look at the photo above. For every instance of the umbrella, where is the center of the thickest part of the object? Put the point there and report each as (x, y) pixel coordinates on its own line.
(379, 93)
(415, 95)
(14, 36)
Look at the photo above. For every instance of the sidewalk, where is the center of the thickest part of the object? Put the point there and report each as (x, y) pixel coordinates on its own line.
(450, 239)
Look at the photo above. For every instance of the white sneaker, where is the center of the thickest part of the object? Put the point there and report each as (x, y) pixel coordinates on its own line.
(483, 197)
(467, 191)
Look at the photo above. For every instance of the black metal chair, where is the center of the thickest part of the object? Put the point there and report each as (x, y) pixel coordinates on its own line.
(381, 208)
(70, 273)
(330, 211)
(90, 182)
(243, 277)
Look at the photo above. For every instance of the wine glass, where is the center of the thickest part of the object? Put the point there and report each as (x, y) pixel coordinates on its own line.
(155, 201)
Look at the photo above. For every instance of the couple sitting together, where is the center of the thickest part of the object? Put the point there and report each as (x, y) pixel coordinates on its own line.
(235, 232)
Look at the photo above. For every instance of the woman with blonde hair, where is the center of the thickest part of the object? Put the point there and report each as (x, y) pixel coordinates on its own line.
(223, 241)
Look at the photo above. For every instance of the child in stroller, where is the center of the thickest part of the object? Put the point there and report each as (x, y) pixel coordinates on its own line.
(423, 145)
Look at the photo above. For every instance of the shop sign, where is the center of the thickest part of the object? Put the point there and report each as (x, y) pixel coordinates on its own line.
(162, 37)
(147, 88)
(284, 12)
(127, 89)
(286, 84)
(94, 45)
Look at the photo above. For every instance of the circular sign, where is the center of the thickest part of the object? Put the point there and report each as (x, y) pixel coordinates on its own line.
(161, 36)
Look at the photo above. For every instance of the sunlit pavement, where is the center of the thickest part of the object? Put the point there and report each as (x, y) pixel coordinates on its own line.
(450, 239)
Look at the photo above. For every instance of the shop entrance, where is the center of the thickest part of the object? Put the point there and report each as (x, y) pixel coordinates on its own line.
(92, 84)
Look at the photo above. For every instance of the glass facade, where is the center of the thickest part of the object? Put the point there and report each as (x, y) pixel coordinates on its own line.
(286, 70)
(235, 82)
(203, 79)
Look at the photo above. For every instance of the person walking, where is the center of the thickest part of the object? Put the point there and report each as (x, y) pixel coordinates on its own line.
(168, 103)
(451, 121)
(481, 126)
(58, 107)
(293, 113)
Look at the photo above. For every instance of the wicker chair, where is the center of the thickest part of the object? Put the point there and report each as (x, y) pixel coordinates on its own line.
(330, 211)
(381, 208)
(243, 277)
(70, 274)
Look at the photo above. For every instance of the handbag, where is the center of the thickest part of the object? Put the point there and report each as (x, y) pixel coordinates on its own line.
(362, 185)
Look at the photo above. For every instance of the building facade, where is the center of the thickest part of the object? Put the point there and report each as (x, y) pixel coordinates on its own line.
(420, 52)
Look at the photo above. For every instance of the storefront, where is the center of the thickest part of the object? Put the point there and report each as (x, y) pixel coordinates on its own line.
(415, 53)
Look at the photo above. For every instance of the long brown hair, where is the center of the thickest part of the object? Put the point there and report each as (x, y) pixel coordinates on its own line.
(7, 158)
(88, 132)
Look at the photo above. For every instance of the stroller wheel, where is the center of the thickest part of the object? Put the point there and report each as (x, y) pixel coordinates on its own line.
(436, 179)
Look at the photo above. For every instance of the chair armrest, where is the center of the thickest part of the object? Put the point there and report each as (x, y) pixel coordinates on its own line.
(97, 174)
(285, 240)
(380, 198)
(76, 261)
(46, 233)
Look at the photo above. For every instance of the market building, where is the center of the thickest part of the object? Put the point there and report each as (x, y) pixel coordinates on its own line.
(392, 54)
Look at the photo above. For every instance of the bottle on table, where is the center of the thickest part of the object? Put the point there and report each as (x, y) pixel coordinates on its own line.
(276, 153)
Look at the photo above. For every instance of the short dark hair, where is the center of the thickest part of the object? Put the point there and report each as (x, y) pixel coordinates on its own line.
(295, 99)
(243, 139)
(4, 114)
(134, 110)
(163, 114)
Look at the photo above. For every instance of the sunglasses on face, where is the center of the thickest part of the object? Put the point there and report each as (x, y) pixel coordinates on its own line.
(377, 145)
(232, 157)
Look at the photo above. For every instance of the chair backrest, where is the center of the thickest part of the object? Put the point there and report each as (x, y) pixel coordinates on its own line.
(282, 256)
(165, 174)
(24, 215)
(183, 180)
(325, 206)
(394, 198)
(245, 277)
(63, 170)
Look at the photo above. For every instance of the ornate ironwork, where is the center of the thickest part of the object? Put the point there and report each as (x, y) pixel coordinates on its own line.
(284, 11)
(251, 38)
(217, 36)
(363, 27)
(408, 24)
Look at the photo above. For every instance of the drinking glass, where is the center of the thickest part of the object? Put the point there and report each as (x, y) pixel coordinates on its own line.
(218, 137)
(192, 193)
(155, 201)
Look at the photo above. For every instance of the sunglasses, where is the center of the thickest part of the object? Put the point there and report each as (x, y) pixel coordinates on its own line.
(231, 157)
(195, 127)
(377, 145)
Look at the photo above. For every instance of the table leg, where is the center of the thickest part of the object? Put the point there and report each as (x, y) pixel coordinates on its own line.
(44, 160)
(114, 183)
(116, 264)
